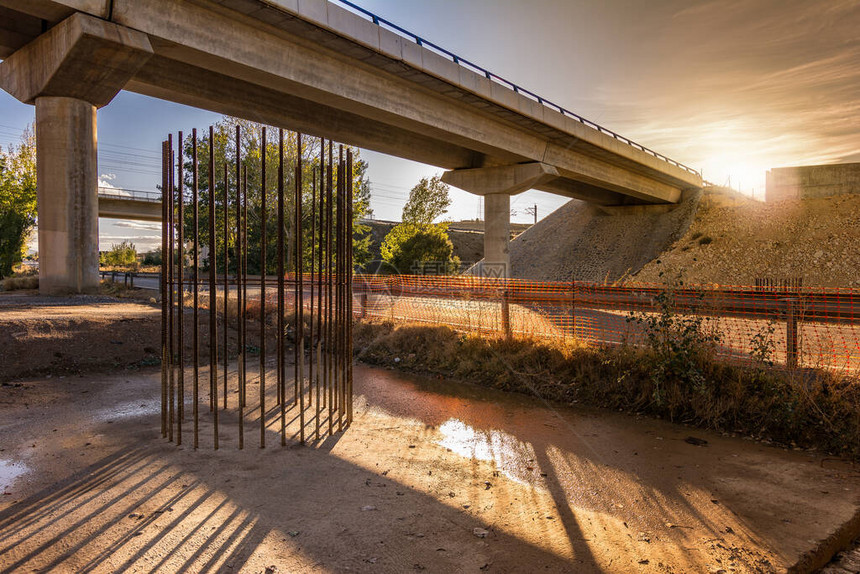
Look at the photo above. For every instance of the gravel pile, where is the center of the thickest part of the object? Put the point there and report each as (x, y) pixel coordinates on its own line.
(817, 240)
(583, 242)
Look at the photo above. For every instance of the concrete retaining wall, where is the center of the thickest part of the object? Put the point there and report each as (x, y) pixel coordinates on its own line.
(810, 181)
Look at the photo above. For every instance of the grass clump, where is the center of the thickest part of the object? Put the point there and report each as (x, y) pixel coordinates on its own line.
(20, 282)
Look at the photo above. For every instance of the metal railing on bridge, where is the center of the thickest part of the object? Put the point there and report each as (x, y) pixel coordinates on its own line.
(129, 194)
(379, 21)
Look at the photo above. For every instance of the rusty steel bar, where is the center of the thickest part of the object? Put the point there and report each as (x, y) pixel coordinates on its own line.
(244, 285)
(311, 276)
(263, 240)
(300, 295)
(213, 296)
(320, 275)
(329, 294)
(226, 279)
(313, 383)
(171, 215)
(165, 360)
(239, 317)
(350, 264)
(328, 355)
(196, 278)
(340, 287)
(281, 270)
(180, 274)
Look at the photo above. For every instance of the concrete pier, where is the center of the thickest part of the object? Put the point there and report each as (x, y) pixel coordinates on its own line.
(497, 235)
(497, 184)
(68, 73)
(67, 175)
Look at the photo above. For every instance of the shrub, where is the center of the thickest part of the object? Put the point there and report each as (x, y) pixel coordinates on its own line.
(122, 255)
(419, 249)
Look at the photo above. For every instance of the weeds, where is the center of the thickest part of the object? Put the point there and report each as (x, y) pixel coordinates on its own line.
(763, 345)
(21, 282)
(678, 344)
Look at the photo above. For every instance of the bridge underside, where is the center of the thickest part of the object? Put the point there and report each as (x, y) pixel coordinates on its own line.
(129, 209)
(321, 71)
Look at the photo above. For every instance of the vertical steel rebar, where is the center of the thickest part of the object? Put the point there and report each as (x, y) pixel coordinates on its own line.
(263, 239)
(226, 280)
(180, 278)
(196, 278)
(300, 307)
(349, 312)
(320, 275)
(239, 317)
(312, 345)
(329, 294)
(165, 355)
(213, 301)
(341, 259)
(244, 293)
(171, 288)
(328, 385)
(244, 285)
(281, 356)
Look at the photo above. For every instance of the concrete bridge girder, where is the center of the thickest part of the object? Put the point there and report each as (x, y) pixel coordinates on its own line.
(315, 67)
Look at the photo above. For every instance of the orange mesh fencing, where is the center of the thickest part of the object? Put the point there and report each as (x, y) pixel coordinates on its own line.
(803, 327)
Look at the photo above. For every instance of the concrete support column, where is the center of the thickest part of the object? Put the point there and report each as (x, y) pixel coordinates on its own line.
(497, 234)
(497, 185)
(67, 195)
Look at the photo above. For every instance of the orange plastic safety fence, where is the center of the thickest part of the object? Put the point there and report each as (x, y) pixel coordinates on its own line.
(804, 327)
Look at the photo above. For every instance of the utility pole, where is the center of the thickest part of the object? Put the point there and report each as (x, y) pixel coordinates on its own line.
(532, 211)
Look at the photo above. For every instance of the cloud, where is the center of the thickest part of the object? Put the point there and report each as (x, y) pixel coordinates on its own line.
(738, 87)
(106, 183)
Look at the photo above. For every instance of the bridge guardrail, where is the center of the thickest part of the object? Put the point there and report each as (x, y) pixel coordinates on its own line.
(130, 194)
(379, 21)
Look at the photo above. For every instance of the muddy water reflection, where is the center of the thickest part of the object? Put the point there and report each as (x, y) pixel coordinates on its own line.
(9, 473)
(511, 456)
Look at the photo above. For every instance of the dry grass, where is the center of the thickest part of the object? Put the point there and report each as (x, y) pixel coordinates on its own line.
(20, 282)
(811, 408)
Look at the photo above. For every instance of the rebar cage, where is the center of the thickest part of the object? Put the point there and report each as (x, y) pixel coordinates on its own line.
(220, 221)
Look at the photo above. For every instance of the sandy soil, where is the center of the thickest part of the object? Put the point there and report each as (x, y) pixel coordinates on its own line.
(89, 485)
(69, 336)
(433, 476)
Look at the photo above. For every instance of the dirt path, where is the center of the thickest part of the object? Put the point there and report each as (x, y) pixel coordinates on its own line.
(89, 486)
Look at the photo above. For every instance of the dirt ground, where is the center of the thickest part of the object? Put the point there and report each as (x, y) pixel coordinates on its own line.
(433, 476)
(68, 336)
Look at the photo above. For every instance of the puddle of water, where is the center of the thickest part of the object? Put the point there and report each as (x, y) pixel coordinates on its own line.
(9, 473)
(511, 456)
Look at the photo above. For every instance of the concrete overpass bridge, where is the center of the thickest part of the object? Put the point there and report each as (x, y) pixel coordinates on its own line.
(129, 204)
(308, 65)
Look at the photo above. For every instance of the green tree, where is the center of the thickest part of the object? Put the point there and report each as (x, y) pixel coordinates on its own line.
(428, 201)
(152, 257)
(251, 148)
(17, 200)
(122, 255)
(423, 249)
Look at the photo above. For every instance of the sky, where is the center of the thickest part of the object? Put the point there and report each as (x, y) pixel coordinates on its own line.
(729, 87)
